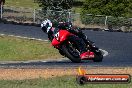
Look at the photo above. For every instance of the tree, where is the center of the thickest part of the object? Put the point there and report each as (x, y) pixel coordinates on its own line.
(55, 10)
(119, 12)
(55, 4)
(108, 7)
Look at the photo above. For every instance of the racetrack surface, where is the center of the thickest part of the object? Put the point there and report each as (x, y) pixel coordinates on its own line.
(117, 44)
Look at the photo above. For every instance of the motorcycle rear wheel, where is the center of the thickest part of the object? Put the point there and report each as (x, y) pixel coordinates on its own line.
(98, 56)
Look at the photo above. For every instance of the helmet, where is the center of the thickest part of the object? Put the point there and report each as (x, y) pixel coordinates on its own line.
(46, 25)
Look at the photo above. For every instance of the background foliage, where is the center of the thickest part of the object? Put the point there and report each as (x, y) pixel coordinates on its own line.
(118, 10)
(108, 7)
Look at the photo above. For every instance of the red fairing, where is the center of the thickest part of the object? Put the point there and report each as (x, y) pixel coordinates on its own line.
(63, 34)
(55, 42)
(60, 37)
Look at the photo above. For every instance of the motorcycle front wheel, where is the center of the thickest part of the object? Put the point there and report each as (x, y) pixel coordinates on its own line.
(71, 51)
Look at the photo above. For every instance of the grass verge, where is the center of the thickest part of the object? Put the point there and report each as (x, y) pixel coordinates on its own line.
(57, 82)
(22, 3)
(18, 49)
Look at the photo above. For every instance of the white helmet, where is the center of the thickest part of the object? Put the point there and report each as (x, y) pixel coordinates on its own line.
(46, 25)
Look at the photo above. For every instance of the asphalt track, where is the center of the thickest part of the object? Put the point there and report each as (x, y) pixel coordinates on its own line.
(117, 44)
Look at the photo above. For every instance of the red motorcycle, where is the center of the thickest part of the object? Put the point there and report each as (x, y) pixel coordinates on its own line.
(66, 43)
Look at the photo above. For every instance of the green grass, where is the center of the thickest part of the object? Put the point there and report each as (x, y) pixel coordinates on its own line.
(17, 49)
(58, 82)
(22, 3)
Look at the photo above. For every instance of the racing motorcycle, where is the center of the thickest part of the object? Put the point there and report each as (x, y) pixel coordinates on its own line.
(66, 43)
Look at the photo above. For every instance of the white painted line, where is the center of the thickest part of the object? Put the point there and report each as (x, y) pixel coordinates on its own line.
(18, 36)
(105, 52)
(39, 39)
(24, 37)
(2, 34)
(32, 38)
(44, 61)
(33, 61)
(25, 62)
(3, 63)
(11, 35)
(60, 60)
(46, 40)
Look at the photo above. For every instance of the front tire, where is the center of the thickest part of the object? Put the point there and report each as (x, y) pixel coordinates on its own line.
(71, 48)
(68, 54)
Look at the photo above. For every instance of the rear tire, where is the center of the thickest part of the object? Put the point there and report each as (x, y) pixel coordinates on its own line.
(98, 56)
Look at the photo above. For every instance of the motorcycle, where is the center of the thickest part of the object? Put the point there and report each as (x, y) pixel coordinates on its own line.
(66, 43)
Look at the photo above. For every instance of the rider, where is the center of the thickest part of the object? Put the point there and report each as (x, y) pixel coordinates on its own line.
(48, 28)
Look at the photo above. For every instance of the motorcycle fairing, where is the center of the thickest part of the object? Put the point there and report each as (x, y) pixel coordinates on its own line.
(60, 37)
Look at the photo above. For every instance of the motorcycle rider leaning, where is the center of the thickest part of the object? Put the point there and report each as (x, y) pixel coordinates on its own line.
(47, 28)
